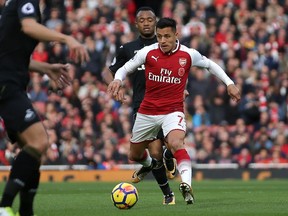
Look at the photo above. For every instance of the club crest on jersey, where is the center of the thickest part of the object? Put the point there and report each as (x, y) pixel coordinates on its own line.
(181, 71)
(182, 61)
(29, 115)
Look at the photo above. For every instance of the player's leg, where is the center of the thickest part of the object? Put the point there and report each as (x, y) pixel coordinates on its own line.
(159, 172)
(24, 176)
(37, 143)
(175, 141)
(170, 163)
(174, 129)
(140, 154)
(144, 130)
(24, 127)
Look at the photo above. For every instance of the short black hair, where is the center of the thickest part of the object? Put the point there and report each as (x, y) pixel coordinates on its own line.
(145, 8)
(166, 22)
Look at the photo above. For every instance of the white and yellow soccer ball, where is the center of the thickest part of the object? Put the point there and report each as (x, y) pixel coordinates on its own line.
(124, 195)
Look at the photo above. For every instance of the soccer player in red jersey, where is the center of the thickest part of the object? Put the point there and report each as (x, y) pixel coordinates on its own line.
(167, 65)
(145, 24)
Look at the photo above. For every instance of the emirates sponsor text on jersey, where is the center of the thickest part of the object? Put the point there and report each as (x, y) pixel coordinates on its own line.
(165, 76)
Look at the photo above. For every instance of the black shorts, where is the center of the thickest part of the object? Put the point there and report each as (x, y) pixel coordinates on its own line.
(18, 113)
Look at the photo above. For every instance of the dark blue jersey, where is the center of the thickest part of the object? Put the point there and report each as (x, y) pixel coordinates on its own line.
(126, 52)
(16, 47)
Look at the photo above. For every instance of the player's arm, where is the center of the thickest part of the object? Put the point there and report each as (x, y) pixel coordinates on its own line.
(128, 67)
(107, 76)
(39, 32)
(108, 73)
(56, 72)
(212, 67)
(132, 64)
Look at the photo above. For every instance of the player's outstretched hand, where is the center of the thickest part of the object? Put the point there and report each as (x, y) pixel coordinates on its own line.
(234, 92)
(120, 95)
(114, 87)
(78, 52)
(59, 74)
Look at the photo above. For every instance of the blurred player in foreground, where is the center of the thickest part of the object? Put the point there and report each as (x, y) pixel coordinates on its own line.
(20, 32)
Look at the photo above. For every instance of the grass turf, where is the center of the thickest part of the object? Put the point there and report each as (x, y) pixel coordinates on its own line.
(214, 197)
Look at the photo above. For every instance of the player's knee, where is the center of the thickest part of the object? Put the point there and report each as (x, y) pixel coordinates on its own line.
(45, 145)
(137, 157)
(133, 157)
(157, 155)
(41, 145)
(175, 144)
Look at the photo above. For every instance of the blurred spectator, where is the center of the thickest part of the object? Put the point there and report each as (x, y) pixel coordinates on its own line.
(40, 53)
(224, 155)
(218, 104)
(48, 5)
(69, 147)
(262, 140)
(200, 118)
(249, 106)
(37, 94)
(95, 64)
(262, 156)
(244, 158)
(57, 54)
(54, 21)
(198, 84)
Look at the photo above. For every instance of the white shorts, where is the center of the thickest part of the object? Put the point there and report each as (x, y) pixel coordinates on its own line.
(146, 127)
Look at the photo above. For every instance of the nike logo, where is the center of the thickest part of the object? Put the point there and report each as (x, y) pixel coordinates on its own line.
(155, 58)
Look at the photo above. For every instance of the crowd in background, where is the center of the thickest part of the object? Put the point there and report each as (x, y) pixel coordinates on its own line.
(247, 38)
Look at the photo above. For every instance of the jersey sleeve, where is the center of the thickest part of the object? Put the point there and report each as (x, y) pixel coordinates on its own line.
(119, 60)
(198, 60)
(203, 62)
(132, 64)
(27, 8)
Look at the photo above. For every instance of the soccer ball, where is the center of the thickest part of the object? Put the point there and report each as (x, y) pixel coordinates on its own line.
(124, 195)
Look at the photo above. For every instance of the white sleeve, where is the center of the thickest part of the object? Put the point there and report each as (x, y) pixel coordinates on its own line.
(203, 62)
(132, 64)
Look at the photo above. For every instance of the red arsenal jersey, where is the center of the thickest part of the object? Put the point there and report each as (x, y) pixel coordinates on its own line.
(166, 76)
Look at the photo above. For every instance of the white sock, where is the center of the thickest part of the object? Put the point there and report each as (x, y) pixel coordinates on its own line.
(185, 171)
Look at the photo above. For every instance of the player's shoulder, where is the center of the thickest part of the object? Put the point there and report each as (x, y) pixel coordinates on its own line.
(132, 44)
(186, 49)
(191, 51)
(136, 44)
(152, 46)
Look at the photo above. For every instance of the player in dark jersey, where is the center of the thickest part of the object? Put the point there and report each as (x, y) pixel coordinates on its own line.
(167, 66)
(145, 23)
(20, 32)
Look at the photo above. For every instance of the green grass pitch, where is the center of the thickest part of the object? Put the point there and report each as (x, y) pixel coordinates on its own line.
(213, 197)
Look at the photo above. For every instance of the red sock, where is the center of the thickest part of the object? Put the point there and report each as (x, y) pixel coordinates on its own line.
(181, 155)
